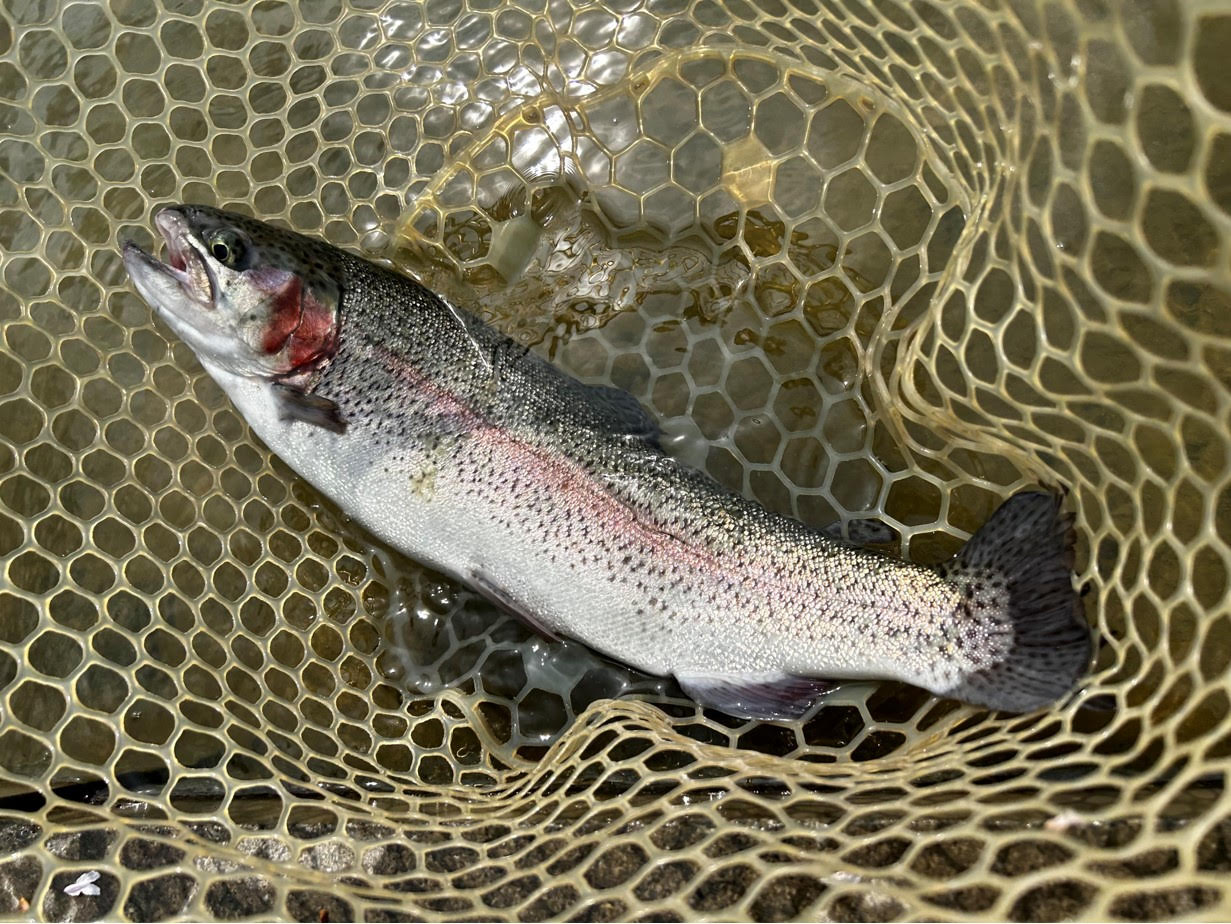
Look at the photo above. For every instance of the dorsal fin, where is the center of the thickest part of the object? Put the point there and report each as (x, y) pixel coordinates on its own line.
(619, 412)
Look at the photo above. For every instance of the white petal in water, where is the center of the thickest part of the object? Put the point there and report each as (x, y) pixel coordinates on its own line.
(84, 885)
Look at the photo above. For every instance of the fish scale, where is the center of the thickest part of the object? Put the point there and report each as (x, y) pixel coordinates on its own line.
(466, 451)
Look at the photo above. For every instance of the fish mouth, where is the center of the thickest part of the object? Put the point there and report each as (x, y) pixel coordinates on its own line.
(181, 284)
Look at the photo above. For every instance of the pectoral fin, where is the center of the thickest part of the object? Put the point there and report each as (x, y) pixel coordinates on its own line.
(755, 696)
(294, 404)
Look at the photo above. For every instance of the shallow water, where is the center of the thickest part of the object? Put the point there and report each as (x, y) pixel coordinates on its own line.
(890, 259)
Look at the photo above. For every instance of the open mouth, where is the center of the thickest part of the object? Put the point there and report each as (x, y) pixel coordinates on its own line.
(183, 259)
(175, 233)
(184, 263)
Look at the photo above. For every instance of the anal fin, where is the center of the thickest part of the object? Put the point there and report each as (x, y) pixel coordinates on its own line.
(308, 408)
(755, 696)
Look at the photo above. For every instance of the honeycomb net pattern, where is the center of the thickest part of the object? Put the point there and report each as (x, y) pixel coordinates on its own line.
(890, 259)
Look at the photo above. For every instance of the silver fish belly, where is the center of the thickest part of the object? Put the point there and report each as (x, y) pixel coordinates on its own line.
(462, 449)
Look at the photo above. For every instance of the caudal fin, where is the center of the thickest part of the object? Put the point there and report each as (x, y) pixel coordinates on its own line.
(1016, 573)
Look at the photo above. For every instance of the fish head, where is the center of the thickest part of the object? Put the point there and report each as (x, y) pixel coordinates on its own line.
(246, 296)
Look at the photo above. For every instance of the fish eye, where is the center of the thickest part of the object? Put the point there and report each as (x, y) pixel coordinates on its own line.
(226, 248)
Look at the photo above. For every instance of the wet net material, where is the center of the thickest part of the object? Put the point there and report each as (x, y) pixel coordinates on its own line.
(880, 260)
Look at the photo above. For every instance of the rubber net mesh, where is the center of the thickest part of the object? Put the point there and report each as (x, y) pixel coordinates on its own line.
(886, 260)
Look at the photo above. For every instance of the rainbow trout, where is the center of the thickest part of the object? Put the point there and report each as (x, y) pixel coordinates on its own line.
(459, 447)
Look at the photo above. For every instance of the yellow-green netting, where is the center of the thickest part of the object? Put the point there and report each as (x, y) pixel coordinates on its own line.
(892, 259)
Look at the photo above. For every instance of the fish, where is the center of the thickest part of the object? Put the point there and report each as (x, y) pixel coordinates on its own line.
(555, 499)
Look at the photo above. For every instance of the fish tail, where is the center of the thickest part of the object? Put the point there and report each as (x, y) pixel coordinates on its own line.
(1020, 610)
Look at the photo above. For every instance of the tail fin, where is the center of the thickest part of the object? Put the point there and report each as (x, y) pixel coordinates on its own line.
(1016, 572)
